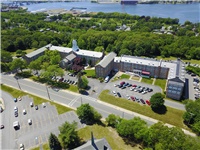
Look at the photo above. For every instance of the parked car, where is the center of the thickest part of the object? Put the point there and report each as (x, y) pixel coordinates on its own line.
(133, 98)
(120, 86)
(115, 93)
(119, 94)
(2, 126)
(43, 105)
(150, 90)
(115, 85)
(31, 104)
(24, 112)
(16, 114)
(129, 85)
(123, 87)
(15, 100)
(134, 85)
(148, 102)
(143, 102)
(122, 83)
(29, 121)
(36, 107)
(15, 109)
(21, 146)
(19, 98)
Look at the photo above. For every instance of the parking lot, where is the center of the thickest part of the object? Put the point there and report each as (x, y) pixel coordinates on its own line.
(126, 92)
(44, 121)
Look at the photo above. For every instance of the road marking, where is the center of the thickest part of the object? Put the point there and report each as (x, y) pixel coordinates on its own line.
(73, 101)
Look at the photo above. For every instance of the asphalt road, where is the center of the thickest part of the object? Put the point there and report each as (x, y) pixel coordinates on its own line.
(68, 98)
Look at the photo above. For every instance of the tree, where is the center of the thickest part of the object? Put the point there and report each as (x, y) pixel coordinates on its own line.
(6, 56)
(52, 70)
(54, 143)
(192, 115)
(157, 101)
(18, 64)
(112, 120)
(35, 65)
(135, 128)
(88, 114)
(82, 81)
(68, 135)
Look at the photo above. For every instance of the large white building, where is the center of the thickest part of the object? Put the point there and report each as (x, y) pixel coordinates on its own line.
(173, 71)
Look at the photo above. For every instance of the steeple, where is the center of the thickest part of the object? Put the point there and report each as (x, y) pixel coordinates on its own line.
(74, 46)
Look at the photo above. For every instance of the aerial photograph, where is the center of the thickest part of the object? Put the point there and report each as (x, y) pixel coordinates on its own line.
(100, 75)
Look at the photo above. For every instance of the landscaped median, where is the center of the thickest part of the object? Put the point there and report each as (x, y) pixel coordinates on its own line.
(37, 100)
(172, 116)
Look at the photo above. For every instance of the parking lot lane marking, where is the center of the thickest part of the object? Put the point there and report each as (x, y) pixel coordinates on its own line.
(49, 118)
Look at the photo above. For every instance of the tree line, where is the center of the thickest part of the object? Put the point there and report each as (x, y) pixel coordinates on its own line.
(22, 30)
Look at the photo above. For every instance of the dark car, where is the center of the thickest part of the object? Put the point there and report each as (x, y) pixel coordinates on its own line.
(15, 99)
(16, 114)
(72, 82)
(2, 126)
(140, 91)
(143, 102)
(120, 86)
(129, 85)
(150, 90)
(123, 87)
(36, 107)
(119, 94)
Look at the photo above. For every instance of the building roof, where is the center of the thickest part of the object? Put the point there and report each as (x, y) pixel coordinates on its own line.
(79, 52)
(61, 49)
(38, 51)
(89, 53)
(99, 144)
(117, 59)
(107, 59)
(71, 56)
(176, 81)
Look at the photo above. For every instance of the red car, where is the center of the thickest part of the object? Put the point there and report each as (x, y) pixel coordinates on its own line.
(134, 85)
(148, 102)
(133, 98)
(122, 83)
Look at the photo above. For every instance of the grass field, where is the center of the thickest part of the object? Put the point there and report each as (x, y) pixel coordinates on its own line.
(37, 100)
(125, 76)
(90, 73)
(73, 88)
(115, 141)
(161, 83)
(172, 116)
(147, 80)
(44, 146)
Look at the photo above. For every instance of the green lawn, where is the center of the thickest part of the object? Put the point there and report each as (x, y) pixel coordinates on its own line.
(73, 88)
(147, 80)
(125, 76)
(90, 73)
(116, 142)
(161, 83)
(37, 100)
(172, 116)
(44, 146)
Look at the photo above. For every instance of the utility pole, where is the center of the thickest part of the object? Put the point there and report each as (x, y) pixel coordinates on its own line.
(18, 84)
(48, 92)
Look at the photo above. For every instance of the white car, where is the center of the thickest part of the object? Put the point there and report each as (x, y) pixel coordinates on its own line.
(24, 112)
(15, 109)
(21, 146)
(31, 104)
(43, 105)
(115, 93)
(115, 85)
(29, 121)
